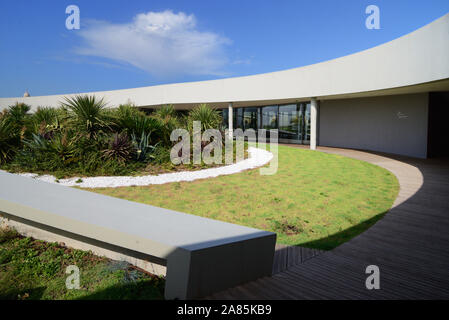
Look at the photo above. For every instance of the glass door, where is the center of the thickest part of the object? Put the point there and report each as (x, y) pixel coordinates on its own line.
(305, 107)
(250, 118)
(290, 123)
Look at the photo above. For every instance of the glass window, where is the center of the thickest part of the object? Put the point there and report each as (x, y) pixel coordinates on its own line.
(250, 116)
(290, 122)
(225, 117)
(306, 112)
(238, 118)
(270, 117)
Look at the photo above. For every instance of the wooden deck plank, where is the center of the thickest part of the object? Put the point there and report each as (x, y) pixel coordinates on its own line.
(410, 245)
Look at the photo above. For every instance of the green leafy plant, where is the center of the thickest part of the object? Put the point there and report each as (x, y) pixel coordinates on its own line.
(160, 155)
(9, 139)
(120, 148)
(37, 143)
(87, 114)
(143, 147)
(63, 147)
(45, 115)
(166, 111)
(168, 121)
(209, 117)
(135, 122)
(19, 112)
(82, 138)
(46, 121)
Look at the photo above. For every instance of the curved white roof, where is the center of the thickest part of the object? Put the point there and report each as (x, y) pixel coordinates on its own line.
(416, 62)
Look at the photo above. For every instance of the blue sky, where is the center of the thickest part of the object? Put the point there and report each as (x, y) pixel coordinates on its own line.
(127, 44)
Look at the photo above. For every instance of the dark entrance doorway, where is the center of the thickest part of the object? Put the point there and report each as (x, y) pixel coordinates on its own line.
(438, 126)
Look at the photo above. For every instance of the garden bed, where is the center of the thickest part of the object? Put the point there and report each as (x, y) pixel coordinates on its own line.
(258, 158)
(35, 270)
(83, 138)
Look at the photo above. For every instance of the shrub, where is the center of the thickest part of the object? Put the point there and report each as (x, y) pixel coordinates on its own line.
(19, 113)
(63, 147)
(168, 121)
(165, 111)
(135, 122)
(83, 137)
(209, 117)
(9, 139)
(143, 147)
(160, 155)
(46, 121)
(42, 154)
(45, 115)
(120, 148)
(87, 115)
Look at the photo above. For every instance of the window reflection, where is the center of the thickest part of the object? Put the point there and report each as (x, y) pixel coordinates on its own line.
(292, 120)
(269, 117)
(250, 118)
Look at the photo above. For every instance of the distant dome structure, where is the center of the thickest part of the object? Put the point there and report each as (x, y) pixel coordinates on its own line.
(26, 94)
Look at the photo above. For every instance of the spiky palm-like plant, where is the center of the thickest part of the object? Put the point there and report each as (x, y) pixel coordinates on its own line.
(63, 146)
(120, 148)
(135, 122)
(165, 111)
(19, 112)
(168, 121)
(209, 117)
(87, 114)
(143, 147)
(47, 121)
(9, 139)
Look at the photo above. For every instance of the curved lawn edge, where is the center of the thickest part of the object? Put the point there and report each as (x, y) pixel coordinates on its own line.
(257, 158)
(315, 199)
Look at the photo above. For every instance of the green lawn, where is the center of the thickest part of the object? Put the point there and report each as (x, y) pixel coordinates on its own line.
(315, 199)
(33, 269)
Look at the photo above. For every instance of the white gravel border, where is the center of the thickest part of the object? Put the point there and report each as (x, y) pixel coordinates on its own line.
(257, 158)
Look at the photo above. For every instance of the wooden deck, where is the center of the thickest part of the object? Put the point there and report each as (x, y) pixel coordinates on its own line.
(410, 245)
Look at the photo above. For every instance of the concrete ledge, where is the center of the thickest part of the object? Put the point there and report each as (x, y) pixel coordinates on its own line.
(39, 231)
(202, 255)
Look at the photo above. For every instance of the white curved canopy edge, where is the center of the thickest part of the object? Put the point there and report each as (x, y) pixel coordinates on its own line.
(418, 60)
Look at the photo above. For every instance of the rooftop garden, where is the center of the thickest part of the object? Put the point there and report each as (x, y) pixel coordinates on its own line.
(31, 269)
(83, 137)
(315, 199)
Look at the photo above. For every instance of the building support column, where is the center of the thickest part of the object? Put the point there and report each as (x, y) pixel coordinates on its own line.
(230, 120)
(313, 123)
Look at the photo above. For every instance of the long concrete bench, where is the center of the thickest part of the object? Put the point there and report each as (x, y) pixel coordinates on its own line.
(202, 256)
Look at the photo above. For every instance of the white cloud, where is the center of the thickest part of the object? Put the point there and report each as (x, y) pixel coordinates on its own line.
(162, 43)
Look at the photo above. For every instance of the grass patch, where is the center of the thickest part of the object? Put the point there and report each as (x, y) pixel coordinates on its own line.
(34, 269)
(315, 199)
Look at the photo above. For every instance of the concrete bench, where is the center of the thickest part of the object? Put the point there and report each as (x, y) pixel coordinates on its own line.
(202, 256)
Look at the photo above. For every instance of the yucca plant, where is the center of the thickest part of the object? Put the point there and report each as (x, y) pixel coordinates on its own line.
(9, 140)
(19, 112)
(209, 117)
(63, 147)
(168, 121)
(165, 111)
(120, 148)
(48, 121)
(45, 114)
(135, 122)
(87, 115)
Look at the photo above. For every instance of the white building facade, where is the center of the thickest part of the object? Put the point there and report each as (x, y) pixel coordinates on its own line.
(393, 98)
